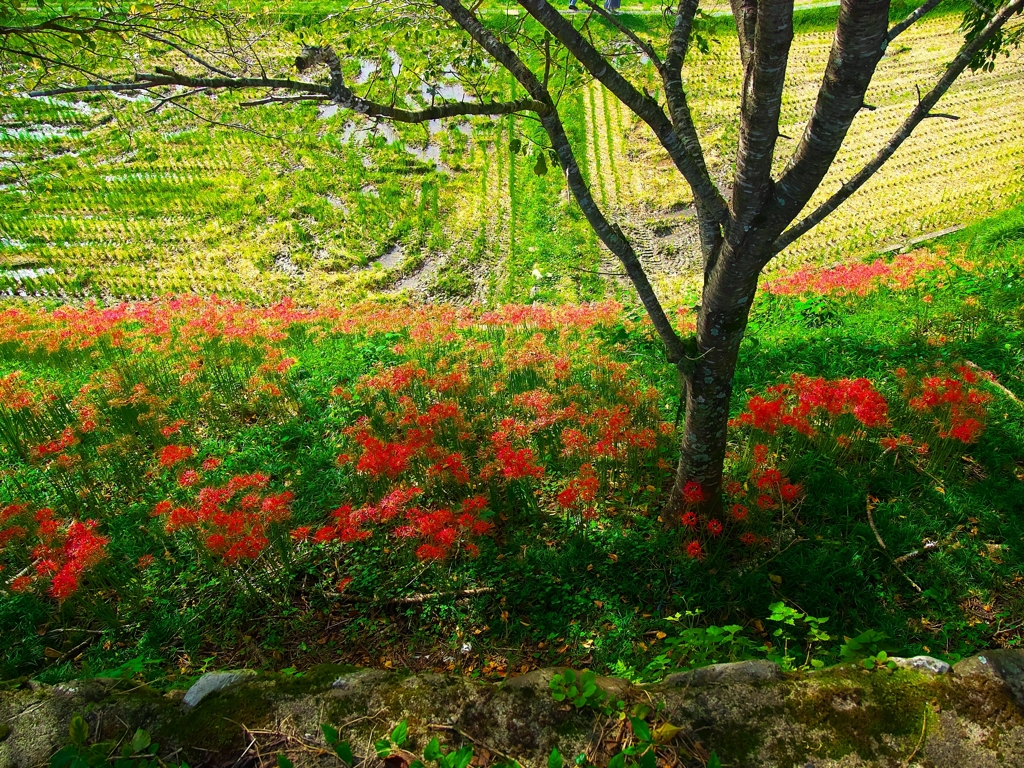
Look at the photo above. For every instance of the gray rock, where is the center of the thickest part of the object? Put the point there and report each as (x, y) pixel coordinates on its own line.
(926, 664)
(212, 682)
(754, 671)
(1003, 665)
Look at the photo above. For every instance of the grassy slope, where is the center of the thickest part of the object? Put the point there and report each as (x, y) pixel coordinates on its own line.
(156, 203)
(565, 599)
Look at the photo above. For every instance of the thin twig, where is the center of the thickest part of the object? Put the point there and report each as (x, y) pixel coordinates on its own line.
(920, 741)
(885, 549)
(874, 527)
(992, 380)
(415, 599)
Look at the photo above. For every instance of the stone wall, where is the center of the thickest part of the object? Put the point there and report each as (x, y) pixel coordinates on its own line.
(750, 714)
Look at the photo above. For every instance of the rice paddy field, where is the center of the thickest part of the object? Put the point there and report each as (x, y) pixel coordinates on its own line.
(103, 197)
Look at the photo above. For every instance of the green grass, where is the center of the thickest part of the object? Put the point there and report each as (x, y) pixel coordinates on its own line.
(594, 600)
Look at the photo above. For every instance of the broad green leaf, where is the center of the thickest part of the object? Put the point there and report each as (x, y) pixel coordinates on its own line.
(433, 750)
(284, 762)
(330, 733)
(462, 758)
(344, 751)
(714, 761)
(399, 734)
(640, 728)
(383, 748)
(78, 731)
(140, 740)
(555, 758)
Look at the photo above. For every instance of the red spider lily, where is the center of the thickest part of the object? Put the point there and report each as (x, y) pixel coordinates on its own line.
(689, 519)
(894, 443)
(714, 527)
(858, 279)
(695, 550)
(188, 478)
(790, 492)
(581, 490)
(515, 464)
(384, 459)
(145, 562)
(453, 466)
(960, 410)
(805, 400)
(739, 512)
(172, 428)
(211, 464)
(693, 493)
(767, 478)
(749, 539)
(760, 453)
(231, 524)
(170, 455)
(343, 584)
(764, 501)
(63, 553)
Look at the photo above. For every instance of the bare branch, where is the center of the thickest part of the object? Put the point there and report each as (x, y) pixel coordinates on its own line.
(283, 100)
(170, 99)
(336, 92)
(191, 56)
(642, 105)
(610, 234)
(911, 19)
(645, 48)
(760, 108)
(857, 48)
(920, 112)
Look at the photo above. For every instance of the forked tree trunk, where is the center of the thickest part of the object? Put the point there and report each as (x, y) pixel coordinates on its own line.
(728, 294)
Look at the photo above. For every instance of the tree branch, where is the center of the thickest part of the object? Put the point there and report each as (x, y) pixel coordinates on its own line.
(336, 92)
(911, 19)
(744, 14)
(643, 106)
(920, 112)
(610, 234)
(761, 106)
(645, 48)
(857, 47)
(672, 78)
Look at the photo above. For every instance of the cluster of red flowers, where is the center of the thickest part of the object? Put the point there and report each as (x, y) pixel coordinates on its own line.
(959, 409)
(441, 532)
(805, 402)
(858, 279)
(953, 408)
(580, 493)
(232, 520)
(15, 395)
(765, 490)
(54, 447)
(53, 552)
(170, 455)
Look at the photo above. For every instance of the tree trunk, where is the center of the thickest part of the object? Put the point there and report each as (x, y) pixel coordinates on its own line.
(728, 294)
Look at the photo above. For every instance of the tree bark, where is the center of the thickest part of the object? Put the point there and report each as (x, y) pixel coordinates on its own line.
(728, 295)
